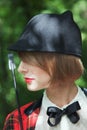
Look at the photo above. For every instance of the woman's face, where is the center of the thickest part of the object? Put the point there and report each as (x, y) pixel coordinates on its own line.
(35, 77)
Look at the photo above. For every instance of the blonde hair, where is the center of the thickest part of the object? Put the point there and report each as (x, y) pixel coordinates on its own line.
(60, 67)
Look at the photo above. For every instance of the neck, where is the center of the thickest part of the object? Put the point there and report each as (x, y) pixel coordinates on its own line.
(62, 94)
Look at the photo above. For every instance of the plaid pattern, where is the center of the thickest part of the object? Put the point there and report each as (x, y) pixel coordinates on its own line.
(29, 114)
(28, 121)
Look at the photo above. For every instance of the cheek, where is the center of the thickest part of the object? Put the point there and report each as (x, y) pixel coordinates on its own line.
(43, 76)
(38, 85)
(41, 82)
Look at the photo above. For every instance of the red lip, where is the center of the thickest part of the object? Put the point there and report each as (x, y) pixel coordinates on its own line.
(29, 80)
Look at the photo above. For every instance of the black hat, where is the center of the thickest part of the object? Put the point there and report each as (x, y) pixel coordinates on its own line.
(51, 33)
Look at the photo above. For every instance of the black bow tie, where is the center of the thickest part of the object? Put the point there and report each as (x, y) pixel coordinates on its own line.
(55, 114)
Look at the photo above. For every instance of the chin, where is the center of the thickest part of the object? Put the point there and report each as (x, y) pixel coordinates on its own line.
(32, 89)
(35, 86)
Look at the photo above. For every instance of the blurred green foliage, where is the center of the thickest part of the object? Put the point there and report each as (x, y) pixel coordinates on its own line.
(14, 14)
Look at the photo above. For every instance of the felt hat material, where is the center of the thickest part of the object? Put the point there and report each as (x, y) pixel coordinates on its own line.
(57, 33)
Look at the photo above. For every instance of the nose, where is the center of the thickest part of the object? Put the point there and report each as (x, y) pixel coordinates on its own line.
(22, 68)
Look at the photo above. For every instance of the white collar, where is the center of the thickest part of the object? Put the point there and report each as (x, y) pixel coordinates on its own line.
(46, 101)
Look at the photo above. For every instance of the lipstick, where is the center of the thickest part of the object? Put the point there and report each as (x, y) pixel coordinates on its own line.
(29, 80)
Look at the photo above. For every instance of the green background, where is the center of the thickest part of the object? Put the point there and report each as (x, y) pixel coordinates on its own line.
(14, 15)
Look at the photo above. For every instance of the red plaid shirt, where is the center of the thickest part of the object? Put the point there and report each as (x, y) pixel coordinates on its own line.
(29, 114)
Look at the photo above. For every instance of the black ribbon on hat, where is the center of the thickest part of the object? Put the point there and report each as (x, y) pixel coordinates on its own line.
(55, 114)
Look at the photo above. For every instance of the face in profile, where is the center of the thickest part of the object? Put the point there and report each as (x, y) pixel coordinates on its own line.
(35, 77)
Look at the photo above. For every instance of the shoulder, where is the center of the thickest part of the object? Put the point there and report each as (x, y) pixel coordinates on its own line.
(22, 109)
(84, 90)
(12, 118)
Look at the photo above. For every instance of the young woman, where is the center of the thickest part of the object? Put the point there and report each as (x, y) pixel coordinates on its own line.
(50, 52)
